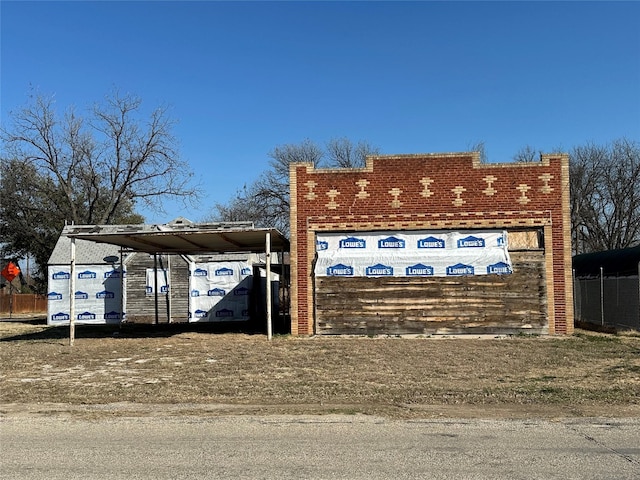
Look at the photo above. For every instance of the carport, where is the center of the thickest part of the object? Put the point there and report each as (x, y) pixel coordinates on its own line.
(181, 237)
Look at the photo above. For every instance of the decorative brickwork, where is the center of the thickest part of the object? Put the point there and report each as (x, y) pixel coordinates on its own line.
(433, 191)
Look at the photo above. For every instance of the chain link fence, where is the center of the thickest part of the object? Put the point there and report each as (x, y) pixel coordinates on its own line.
(608, 301)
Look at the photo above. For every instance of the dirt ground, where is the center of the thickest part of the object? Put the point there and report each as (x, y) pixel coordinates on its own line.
(183, 369)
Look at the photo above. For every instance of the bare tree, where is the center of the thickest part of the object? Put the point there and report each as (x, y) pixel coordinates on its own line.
(266, 201)
(93, 170)
(605, 193)
(343, 153)
(112, 158)
(481, 148)
(605, 196)
(282, 156)
(527, 154)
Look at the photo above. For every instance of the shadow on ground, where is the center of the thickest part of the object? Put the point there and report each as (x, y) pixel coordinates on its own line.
(128, 330)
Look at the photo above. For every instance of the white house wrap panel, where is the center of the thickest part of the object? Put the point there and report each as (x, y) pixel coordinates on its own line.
(416, 253)
(161, 278)
(219, 291)
(98, 297)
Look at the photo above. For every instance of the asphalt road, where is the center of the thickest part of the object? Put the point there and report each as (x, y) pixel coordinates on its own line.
(316, 447)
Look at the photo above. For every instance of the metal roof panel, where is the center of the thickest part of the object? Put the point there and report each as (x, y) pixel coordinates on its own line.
(181, 239)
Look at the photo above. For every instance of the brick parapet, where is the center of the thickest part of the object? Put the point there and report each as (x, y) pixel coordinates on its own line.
(433, 191)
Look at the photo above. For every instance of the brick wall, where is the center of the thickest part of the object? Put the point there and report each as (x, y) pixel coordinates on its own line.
(433, 191)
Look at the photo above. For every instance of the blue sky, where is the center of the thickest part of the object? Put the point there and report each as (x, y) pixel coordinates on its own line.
(409, 77)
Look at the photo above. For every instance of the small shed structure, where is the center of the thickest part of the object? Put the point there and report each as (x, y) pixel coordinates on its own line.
(176, 272)
(607, 288)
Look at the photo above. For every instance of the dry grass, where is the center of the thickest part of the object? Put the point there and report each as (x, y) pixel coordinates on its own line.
(586, 374)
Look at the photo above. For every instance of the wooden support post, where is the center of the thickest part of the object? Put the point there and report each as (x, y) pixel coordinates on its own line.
(72, 293)
(268, 252)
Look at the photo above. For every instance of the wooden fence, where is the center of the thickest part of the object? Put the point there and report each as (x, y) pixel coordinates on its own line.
(23, 303)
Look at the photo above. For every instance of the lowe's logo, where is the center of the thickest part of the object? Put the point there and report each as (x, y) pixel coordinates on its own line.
(105, 294)
(199, 272)
(58, 317)
(471, 242)
(200, 313)
(241, 291)
(114, 274)
(86, 316)
(379, 270)
(81, 295)
(322, 245)
(195, 293)
(61, 276)
(431, 242)
(499, 268)
(340, 270)
(87, 274)
(164, 288)
(54, 296)
(112, 315)
(216, 292)
(353, 242)
(221, 272)
(460, 269)
(419, 270)
(502, 241)
(245, 271)
(391, 242)
(224, 313)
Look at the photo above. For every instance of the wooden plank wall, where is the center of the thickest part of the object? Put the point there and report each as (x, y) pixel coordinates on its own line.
(23, 303)
(141, 307)
(439, 305)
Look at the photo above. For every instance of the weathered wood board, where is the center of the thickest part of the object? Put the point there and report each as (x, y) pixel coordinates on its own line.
(437, 305)
(141, 306)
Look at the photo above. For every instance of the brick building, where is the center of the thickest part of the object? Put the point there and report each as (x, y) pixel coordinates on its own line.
(397, 199)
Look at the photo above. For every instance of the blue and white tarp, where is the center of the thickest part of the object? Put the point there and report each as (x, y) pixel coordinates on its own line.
(98, 297)
(424, 253)
(219, 291)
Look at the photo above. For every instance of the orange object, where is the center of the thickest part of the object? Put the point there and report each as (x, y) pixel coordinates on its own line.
(11, 271)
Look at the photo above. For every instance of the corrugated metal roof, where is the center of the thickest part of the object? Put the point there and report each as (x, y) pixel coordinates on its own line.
(622, 262)
(183, 238)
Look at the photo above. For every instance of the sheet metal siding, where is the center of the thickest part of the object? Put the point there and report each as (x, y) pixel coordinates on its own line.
(474, 304)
